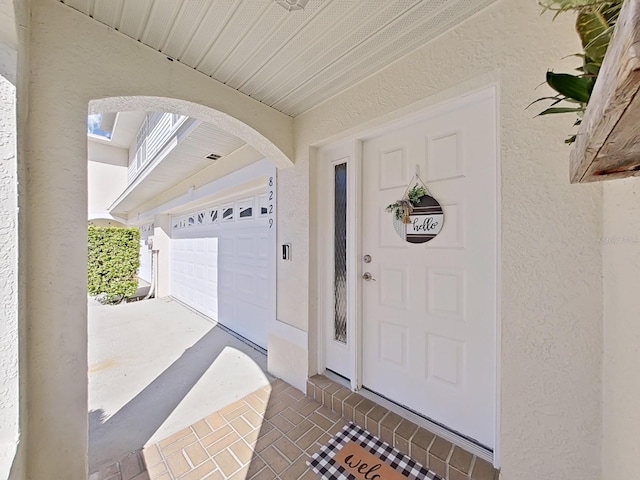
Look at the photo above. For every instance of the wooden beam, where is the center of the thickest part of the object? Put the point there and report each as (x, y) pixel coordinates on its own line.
(608, 141)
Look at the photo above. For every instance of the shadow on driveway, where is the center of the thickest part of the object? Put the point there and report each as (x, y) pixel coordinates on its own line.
(215, 370)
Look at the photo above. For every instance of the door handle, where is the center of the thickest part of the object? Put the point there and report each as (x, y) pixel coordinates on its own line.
(368, 277)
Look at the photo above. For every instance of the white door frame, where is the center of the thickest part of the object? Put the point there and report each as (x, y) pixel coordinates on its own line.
(353, 150)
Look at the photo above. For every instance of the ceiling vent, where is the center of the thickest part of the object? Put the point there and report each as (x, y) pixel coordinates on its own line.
(213, 156)
(292, 5)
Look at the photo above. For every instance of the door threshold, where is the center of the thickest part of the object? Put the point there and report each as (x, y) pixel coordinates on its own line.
(433, 446)
(456, 438)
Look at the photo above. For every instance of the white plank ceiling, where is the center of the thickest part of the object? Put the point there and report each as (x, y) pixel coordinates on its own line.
(291, 61)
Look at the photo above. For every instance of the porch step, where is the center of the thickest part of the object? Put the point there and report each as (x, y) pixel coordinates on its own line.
(439, 455)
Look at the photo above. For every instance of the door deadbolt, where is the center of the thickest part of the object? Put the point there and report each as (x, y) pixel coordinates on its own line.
(366, 259)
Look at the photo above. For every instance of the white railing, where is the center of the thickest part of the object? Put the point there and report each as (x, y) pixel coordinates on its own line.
(156, 130)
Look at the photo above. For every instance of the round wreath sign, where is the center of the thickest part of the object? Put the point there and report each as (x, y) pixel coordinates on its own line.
(417, 217)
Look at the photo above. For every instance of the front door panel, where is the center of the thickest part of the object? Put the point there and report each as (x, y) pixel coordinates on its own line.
(429, 310)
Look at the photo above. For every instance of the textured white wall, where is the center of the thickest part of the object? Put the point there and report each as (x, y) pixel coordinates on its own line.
(621, 276)
(9, 429)
(71, 61)
(551, 300)
(106, 182)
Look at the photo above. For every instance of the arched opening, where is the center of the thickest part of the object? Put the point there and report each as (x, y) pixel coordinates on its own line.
(201, 188)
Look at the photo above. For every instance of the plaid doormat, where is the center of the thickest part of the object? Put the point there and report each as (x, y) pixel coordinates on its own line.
(323, 462)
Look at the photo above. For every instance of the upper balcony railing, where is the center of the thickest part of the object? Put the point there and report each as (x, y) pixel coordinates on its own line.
(156, 130)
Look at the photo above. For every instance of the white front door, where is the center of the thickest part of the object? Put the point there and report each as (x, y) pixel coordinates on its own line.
(429, 318)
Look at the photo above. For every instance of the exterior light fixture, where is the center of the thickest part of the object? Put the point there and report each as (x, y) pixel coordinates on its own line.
(291, 5)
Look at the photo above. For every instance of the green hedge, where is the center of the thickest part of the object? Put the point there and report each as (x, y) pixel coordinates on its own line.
(114, 259)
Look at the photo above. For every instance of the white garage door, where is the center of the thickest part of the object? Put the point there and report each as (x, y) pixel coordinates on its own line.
(223, 264)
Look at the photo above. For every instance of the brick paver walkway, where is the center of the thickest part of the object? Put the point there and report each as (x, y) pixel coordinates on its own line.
(266, 435)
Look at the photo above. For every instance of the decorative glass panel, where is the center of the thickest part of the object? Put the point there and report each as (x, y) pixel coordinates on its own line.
(200, 218)
(227, 214)
(264, 205)
(340, 255)
(213, 216)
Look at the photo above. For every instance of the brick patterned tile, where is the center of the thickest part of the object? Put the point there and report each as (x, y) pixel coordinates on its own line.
(276, 461)
(296, 469)
(306, 406)
(281, 423)
(256, 403)
(178, 465)
(461, 460)
(215, 421)
(388, 425)
(201, 428)
(226, 462)
(196, 454)
(482, 470)
(309, 438)
(423, 438)
(273, 410)
(216, 436)
(263, 393)
(438, 466)
(295, 393)
(201, 471)
(223, 443)
(287, 448)
(455, 474)
(151, 455)
(165, 476)
(328, 413)
(157, 470)
(235, 413)
(178, 445)
(241, 426)
(441, 449)
(321, 421)
(265, 474)
(266, 440)
(242, 452)
(253, 418)
(255, 466)
(291, 415)
(176, 436)
(299, 430)
(239, 442)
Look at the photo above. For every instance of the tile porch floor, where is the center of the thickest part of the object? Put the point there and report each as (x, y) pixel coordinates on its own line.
(270, 434)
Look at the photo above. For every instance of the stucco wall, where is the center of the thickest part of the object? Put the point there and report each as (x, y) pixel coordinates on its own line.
(621, 276)
(551, 306)
(551, 297)
(73, 60)
(9, 429)
(106, 182)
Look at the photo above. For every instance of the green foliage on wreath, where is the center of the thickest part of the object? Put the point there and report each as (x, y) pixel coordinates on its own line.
(413, 196)
(114, 259)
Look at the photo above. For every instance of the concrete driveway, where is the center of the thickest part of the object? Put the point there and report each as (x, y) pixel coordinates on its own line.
(156, 367)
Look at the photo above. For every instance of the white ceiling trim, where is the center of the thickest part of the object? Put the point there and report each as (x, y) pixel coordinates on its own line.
(290, 61)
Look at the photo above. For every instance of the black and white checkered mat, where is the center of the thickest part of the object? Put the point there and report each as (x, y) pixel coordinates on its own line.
(323, 464)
